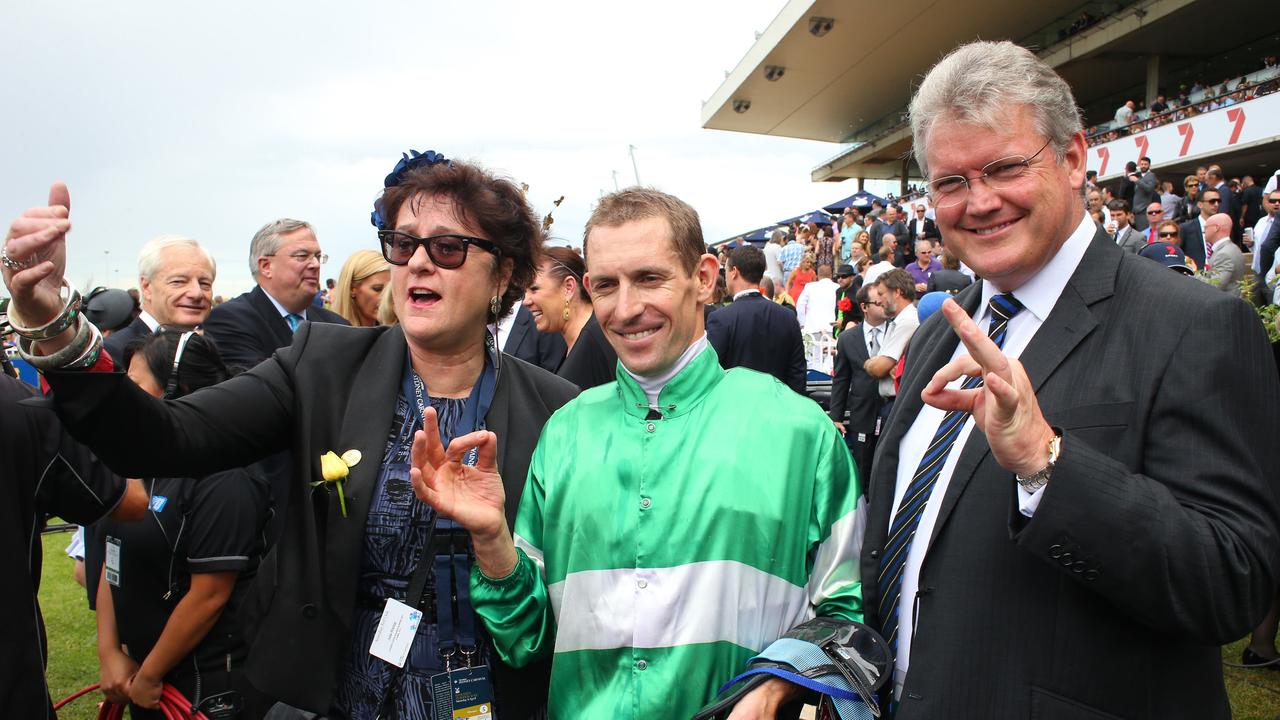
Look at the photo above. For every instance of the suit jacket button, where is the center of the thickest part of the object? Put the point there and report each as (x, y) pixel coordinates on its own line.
(1090, 575)
(1055, 551)
(1065, 559)
(309, 611)
(875, 554)
(1077, 566)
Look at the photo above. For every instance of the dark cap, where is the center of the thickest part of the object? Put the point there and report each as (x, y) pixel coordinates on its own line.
(846, 271)
(1167, 255)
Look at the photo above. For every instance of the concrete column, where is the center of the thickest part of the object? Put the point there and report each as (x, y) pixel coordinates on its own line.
(861, 180)
(1153, 78)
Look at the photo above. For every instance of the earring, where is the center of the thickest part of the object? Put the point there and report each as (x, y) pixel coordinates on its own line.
(494, 306)
(566, 309)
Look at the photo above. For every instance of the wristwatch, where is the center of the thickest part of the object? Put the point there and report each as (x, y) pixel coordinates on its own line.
(1040, 478)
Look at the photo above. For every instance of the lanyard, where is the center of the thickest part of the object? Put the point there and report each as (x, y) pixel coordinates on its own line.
(454, 616)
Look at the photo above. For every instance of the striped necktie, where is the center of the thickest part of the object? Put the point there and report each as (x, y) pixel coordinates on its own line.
(294, 321)
(903, 528)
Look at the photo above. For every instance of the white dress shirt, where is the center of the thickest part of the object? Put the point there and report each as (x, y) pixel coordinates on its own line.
(502, 330)
(284, 313)
(152, 323)
(1038, 296)
(897, 335)
(1260, 230)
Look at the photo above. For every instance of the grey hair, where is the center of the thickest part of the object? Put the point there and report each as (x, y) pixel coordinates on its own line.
(149, 257)
(267, 240)
(980, 82)
(777, 237)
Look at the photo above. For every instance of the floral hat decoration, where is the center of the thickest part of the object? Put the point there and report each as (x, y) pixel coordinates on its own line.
(411, 160)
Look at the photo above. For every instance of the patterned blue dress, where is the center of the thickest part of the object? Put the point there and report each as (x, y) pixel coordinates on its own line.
(393, 541)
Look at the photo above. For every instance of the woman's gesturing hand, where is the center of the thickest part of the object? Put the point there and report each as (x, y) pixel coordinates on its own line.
(470, 495)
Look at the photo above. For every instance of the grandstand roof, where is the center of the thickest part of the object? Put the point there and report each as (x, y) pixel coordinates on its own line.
(852, 84)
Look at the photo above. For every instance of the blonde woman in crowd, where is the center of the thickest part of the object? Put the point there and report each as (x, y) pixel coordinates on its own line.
(359, 290)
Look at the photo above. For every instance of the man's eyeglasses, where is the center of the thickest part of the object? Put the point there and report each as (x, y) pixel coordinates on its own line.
(1213, 201)
(304, 257)
(1155, 212)
(999, 174)
(1169, 234)
(445, 251)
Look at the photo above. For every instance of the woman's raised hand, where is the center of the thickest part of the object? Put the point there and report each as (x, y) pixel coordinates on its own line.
(35, 257)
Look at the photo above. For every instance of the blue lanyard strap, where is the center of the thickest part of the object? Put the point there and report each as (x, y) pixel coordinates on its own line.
(454, 616)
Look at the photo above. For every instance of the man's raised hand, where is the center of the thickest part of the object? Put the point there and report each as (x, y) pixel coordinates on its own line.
(1004, 408)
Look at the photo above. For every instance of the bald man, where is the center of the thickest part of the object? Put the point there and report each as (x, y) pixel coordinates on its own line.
(1225, 263)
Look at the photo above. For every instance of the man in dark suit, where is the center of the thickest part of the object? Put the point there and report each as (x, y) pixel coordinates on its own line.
(1146, 189)
(285, 259)
(1079, 514)
(921, 227)
(887, 224)
(855, 395)
(525, 341)
(752, 331)
(1192, 231)
(1230, 203)
(175, 277)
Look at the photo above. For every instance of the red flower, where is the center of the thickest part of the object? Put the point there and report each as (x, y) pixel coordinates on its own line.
(845, 304)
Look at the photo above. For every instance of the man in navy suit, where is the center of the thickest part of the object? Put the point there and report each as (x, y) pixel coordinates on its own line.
(175, 279)
(855, 395)
(1192, 231)
(754, 332)
(518, 336)
(285, 259)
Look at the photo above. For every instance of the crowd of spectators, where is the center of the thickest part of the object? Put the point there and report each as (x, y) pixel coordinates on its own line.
(1188, 101)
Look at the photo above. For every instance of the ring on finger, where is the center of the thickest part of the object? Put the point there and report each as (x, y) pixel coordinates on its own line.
(13, 264)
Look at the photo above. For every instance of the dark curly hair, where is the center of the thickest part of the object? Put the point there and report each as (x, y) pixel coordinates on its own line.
(494, 205)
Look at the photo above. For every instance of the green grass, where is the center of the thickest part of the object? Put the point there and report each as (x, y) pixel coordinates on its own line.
(73, 656)
(73, 653)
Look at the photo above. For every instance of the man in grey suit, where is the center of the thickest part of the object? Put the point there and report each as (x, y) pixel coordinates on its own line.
(1057, 529)
(1227, 267)
(1121, 229)
(1146, 189)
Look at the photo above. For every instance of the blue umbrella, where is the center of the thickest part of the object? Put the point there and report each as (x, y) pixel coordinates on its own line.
(818, 216)
(860, 199)
(757, 236)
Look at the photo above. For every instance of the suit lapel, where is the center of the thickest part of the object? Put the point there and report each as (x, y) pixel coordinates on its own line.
(519, 330)
(1069, 323)
(498, 420)
(275, 321)
(365, 424)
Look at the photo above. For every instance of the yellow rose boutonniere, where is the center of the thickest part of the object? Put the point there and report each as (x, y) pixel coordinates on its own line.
(334, 469)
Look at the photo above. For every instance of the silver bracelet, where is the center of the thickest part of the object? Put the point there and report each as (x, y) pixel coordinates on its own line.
(58, 324)
(59, 360)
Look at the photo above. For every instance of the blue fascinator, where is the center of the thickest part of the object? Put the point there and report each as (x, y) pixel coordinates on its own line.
(411, 160)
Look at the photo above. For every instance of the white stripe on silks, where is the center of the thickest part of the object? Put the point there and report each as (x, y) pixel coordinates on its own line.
(836, 565)
(534, 554)
(700, 602)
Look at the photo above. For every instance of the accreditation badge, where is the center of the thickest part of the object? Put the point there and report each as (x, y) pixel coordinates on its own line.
(462, 694)
(112, 564)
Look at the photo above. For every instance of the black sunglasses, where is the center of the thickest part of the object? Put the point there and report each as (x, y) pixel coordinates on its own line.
(445, 251)
(1168, 234)
(1214, 201)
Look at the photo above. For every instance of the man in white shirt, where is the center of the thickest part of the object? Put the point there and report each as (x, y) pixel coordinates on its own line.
(1045, 510)
(1124, 114)
(895, 292)
(1266, 233)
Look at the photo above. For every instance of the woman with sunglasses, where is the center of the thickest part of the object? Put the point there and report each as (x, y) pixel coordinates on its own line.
(170, 600)
(559, 302)
(358, 550)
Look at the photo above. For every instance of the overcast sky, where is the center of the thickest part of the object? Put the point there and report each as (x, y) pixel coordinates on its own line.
(210, 119)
